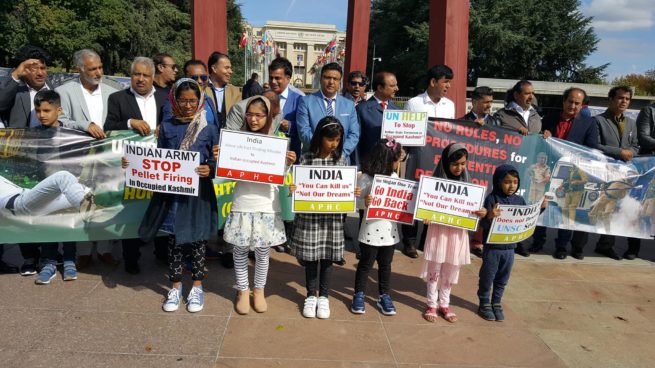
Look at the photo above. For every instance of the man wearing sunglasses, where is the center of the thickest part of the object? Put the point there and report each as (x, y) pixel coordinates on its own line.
(196, 70)
(165, 72)
(355, 89)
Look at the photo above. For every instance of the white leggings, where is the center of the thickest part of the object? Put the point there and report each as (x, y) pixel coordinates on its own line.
(240, 256)
(440, 277)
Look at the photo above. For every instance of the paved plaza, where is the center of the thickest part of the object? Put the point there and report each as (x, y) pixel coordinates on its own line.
(592, 313)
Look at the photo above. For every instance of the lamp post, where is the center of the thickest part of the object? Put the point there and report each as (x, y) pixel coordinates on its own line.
(373, 67)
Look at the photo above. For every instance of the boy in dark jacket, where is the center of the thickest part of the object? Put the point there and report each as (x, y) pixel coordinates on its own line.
(497, 259)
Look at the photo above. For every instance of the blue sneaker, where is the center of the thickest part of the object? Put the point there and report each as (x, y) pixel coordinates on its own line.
(358, 306)
(195, 300)
(386, 305)
(48, 272)
(70, 272)
(172, 302)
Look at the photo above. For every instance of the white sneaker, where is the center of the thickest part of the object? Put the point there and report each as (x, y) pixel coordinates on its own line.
(172, 302)
(309, 309)
(323, 308)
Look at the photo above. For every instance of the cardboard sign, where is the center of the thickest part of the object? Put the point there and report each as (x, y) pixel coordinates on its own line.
(394, 199)
(449, 202)
(324, 189)
(408, 128)
(162, 170)
(252, 157)
(515, 224)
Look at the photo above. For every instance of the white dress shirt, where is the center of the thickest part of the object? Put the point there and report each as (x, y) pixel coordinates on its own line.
(283, 98)
(519, 109)
(219, 92)
(333, 103)
(94, 104)
(148, 108)
(445, 108)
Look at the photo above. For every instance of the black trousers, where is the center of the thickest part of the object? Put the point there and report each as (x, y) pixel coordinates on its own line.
(132, 250)
(370, 254)
(607, 242)
(50, 251)
(312, 277)
(178, 254)
(410, 233)
(30, 252)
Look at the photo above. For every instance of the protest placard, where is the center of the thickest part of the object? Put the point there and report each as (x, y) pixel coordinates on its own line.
(324, 189)
(515, 223)
(394, 199)
(449, 202)
(252, 157)
(162, 170)
(406, 127)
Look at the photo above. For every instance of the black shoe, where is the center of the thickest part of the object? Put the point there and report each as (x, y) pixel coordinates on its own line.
(477, 252)
(28, 269)
(485, 311)
(251, 255)
(559, 254)
(520, 250)
(608, 252)
(358, 255)
(577, 255)
(226, 260)
(629, 256)
(132, 268)
(410, 251)
(498, 312)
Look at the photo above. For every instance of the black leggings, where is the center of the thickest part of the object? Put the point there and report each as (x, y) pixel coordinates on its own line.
(312, 274)
(177, 255)
(370, 254)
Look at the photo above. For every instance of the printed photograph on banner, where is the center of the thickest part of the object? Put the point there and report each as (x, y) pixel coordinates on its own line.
(449, 202)
(324, 189)
(394, 199)
(406, 127)
(252, 157)
(162, 170)
(515, 224)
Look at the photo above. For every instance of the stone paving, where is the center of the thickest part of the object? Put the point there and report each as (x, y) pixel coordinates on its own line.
(594, 313)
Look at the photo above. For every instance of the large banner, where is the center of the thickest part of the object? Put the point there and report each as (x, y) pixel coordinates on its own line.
(55, 158)
(586, 190)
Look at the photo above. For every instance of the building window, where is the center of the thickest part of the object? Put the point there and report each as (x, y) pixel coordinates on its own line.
(299, 70)
(300, 58)
(300, 47)
(281, 45)
(259, 33)
(319, 48)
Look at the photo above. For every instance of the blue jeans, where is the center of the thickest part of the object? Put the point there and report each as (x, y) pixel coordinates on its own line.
(495, 270)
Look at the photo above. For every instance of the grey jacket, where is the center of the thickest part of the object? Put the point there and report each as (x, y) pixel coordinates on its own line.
(646, 129)
(15, 104)
(609, 140)
(512, 120)
(76, 114)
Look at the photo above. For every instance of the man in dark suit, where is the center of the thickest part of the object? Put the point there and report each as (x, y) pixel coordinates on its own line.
(481, 100)
(355, 89)
(279, 76)
(17, 92)
(617, 138)
(252, 87)
(370, 112)
(646, 129)
(327, 101)
(140, 108)
(568, 125)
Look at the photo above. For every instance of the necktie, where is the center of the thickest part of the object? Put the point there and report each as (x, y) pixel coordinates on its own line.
(330, 110)
(383, 104)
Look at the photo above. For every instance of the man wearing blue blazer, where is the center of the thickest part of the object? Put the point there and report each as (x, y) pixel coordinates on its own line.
(279, 76)
(370, 112)
(327, 101)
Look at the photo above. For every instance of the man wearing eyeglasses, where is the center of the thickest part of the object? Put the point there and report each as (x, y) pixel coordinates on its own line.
(165, 72)
(355, 89)
(196, 70)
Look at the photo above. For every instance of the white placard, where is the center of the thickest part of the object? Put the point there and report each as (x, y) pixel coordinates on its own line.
(162, 170)
(324, 189)
(449, 202)
(408, 128)
(515, 223)
(252, 157)
(394, 199)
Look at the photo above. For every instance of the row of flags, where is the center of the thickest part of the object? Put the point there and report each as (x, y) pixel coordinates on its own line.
(332, 53)
(259, 46)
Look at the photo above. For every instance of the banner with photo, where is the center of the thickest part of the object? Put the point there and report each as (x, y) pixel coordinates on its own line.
(586, 190)
(45, 172)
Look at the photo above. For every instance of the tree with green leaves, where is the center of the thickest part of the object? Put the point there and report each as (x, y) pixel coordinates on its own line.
(644, 84)
(118, 30)
(509, 39)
